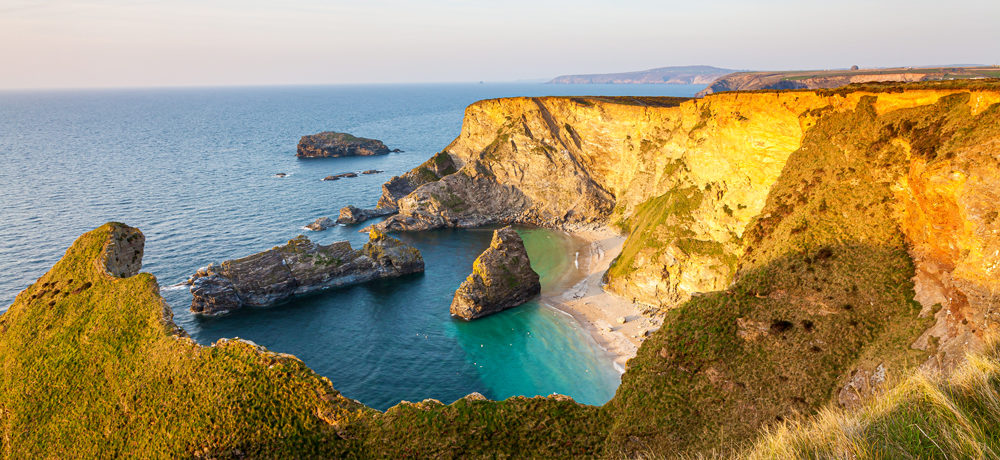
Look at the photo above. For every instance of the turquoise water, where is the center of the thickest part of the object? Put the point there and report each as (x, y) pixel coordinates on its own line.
(194, 169)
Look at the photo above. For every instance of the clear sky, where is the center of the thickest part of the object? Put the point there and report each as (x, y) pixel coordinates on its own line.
(109, 43)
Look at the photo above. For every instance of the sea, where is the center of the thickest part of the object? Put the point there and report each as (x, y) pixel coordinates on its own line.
(196, 170)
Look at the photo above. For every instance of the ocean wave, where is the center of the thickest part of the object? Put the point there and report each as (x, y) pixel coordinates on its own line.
(174, 287)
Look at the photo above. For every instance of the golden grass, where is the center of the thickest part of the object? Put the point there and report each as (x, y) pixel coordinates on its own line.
(923, 416)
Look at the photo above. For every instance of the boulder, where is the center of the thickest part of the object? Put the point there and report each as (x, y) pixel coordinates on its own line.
(331, 144)
(350, 215)
(321, 224)
(297, 268)
(372, 171)
(501, 278)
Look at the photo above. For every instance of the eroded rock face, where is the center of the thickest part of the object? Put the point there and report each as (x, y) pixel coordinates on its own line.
(501, 278)
(297, 268)
(350, 215)
(332, 144)
(432, 170)
(123, 252)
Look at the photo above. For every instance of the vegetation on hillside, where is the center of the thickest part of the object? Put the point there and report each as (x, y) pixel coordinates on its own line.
(92, 366)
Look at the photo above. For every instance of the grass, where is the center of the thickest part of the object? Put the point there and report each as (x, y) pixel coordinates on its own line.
(101, 372)
(923, 416)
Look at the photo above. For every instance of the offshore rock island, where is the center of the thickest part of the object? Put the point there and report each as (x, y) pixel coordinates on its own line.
(297, 268)
(804, 250)
(501, 278)
(329, 144)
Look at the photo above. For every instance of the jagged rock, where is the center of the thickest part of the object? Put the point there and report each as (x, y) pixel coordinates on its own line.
(333, 144)
(350, 215)
(372, 171)
(432, 170)
(340, 176)
(321, 224)
(123, 252)
(297, 268)
(501, 278)
(281, 175)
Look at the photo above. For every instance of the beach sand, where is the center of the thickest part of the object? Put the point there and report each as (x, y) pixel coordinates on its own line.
(581, 295)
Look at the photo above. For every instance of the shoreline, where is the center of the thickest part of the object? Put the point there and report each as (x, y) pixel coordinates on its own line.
(580, 294)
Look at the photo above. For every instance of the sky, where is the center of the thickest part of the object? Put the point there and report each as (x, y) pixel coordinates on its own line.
(129, 43)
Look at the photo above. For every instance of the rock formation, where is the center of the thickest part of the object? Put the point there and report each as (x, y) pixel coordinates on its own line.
(297, 268)
(321, 224)
(340, 176)
(501, 278)
(350, 215)
(332, 144)
(438, 166)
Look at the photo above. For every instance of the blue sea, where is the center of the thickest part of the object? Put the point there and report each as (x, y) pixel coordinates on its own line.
(195, 168)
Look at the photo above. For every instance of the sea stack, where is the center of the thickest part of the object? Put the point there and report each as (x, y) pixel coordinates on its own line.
(329, 144)
(296, 268)
(501, 278)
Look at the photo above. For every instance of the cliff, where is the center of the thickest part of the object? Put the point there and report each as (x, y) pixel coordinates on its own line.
(297, 268)
(333, 144)
(826, 79)
(834, 238)
(501, 278)
(828, 243)
(676, 75)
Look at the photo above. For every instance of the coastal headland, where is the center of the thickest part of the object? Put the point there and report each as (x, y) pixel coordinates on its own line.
(801, 249)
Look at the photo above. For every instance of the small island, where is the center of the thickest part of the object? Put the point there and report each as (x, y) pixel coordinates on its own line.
(330, 144)
(297, 268)
(501, 278)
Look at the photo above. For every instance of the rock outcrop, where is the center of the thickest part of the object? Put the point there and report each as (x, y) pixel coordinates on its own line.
(501, 278)
(432, 170)
(350, 215)
(297, 268)
(340, 176)
(330, 144)
(320, 224)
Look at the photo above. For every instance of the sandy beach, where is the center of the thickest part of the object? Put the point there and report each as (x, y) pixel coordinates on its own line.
(617, 324)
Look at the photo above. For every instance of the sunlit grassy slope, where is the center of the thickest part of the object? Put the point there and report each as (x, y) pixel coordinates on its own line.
(921, 417)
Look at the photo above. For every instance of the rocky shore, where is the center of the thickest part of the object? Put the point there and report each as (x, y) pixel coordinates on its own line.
(501, 278)
(331, 144)
(296, 268)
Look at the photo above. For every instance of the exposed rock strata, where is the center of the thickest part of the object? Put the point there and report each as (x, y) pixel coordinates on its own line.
(432, 170)
(501, 278)
(701, 166)
(297, 268)
(330, 144)
(350, 215)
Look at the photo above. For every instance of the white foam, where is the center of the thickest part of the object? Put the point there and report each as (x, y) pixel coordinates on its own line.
(174, 287)
(576, 261)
